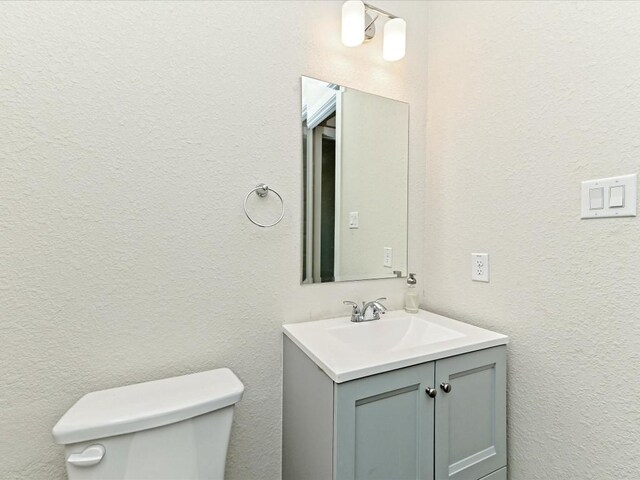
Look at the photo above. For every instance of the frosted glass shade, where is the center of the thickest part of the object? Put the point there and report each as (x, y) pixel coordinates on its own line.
(353, 23)
(395, 40)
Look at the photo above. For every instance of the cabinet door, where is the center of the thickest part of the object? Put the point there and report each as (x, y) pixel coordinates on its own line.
(471, 419)
(384, 426)
(499, 475)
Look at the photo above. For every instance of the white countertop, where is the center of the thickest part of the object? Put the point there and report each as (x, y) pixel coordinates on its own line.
(346, 350)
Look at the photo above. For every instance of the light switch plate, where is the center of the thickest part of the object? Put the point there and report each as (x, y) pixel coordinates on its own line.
(354, 220)
(609, 208)
(480, 267)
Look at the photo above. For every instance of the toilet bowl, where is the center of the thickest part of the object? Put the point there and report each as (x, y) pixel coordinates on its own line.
(175, 428)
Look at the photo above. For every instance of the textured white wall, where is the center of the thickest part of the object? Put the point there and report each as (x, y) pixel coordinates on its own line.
(129, 135)
(525, 100)
(373, 182)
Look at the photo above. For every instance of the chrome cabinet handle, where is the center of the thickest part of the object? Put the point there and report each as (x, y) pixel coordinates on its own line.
(446, 387)
(431, 392)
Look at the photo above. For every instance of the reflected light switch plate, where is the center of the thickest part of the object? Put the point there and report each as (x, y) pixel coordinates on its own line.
(354, 220)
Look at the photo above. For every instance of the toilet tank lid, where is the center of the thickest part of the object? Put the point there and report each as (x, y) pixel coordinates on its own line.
(147, 405)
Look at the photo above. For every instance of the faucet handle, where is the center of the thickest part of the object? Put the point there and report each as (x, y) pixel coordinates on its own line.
(379, 307)
(355, 310)
(349, 302)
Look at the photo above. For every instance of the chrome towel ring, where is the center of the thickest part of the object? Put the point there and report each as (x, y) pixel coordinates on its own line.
(262, 190)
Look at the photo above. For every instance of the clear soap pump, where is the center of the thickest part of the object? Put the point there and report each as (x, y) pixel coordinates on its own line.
(411, 301)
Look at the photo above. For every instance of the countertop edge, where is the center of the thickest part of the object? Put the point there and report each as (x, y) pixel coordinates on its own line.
(324, 367)
(433, 357)
(343, 377)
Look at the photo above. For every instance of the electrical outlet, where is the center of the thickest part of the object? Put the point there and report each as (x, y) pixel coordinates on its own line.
(388, 257)
(480, 267)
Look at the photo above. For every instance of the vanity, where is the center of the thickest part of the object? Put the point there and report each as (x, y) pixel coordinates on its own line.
(404, 396)
(409, 396)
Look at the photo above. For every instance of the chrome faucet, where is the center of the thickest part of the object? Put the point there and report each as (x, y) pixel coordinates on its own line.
(361, 315)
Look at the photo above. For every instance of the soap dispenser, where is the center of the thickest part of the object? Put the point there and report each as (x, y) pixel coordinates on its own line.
(411, 301)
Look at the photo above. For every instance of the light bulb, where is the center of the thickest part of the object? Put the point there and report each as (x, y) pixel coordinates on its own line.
(395, 39)
(353, 23)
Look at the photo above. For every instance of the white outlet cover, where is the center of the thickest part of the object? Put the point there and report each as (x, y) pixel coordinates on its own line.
(388, 257)
(480, 267)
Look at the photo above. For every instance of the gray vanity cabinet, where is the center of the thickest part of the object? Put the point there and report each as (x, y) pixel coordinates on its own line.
(386, 426)
(471, 420)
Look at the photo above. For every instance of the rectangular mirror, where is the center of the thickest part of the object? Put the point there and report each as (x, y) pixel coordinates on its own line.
(355, 163)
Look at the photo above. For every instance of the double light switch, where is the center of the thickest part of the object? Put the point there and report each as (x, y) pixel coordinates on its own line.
(609, 197)
(597, 196)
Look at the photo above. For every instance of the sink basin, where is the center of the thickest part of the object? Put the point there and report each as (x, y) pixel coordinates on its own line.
(345, 350)
(391, 335)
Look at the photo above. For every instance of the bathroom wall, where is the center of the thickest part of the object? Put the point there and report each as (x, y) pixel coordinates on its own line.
(129, 136)
(373, 179)
(526, 100)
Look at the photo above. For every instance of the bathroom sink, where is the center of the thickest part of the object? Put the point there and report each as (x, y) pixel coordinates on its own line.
(346, 350)
(401, 333)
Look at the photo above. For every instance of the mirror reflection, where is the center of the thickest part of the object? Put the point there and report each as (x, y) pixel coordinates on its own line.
(355, 164)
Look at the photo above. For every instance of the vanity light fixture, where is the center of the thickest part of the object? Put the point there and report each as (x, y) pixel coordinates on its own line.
(395, 39)
(353, 23)
(358, 26)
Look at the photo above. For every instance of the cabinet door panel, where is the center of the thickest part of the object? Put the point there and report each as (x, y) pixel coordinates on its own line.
(471, 419)
(384, 426)
(499, 475)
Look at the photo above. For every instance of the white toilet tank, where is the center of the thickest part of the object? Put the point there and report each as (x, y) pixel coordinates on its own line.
(175, 428)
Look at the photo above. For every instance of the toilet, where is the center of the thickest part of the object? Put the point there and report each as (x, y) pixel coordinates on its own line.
(175, 428)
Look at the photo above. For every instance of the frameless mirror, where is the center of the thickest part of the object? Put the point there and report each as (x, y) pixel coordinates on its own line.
(355, 163)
